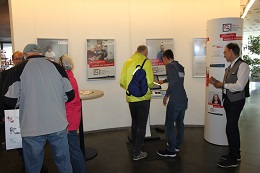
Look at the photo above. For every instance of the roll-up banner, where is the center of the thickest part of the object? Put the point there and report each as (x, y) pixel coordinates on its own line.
(220, 32)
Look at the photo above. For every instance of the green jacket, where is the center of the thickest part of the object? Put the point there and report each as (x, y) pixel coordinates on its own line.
(127, 71)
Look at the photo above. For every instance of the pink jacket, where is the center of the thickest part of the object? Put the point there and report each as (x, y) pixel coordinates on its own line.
(73, 108)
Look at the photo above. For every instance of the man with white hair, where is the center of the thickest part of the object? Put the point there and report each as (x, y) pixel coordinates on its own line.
(40, 88)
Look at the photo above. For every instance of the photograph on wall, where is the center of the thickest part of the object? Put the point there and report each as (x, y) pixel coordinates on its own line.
(53, 48)
(100, 59)
(215, 103)
(156, 48)
(199, 57)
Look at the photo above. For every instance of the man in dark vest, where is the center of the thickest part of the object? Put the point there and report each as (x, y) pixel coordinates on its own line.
(235, 89)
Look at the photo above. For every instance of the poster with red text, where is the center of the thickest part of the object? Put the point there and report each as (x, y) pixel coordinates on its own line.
(156, 48)
(100, 59)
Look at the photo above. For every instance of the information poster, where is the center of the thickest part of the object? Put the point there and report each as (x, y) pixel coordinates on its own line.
(52, 49)
(100, 59)
(156, 48)
(199, 57)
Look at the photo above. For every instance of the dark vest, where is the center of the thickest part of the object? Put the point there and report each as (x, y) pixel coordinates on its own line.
(231, 77)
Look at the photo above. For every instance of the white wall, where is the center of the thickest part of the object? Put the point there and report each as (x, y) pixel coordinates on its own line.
(130, 23)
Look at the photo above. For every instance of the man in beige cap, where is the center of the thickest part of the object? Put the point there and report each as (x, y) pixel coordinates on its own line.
(40, 88)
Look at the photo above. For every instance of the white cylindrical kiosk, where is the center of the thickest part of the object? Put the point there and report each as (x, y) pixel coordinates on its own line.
(220, 32)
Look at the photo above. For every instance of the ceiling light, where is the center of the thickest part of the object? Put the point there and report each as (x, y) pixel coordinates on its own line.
(248, 6)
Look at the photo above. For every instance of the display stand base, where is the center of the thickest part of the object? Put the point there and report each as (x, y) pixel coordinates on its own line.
(90, 153)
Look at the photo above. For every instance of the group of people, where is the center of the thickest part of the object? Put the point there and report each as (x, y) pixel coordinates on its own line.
(97, 52)
(47, 95)
(234, 88)
(41, 87)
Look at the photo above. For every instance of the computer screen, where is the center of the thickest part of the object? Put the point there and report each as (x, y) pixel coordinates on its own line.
(156, 85)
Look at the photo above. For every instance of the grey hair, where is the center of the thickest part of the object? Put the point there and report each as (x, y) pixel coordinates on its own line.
(141, 49)
(66, 62)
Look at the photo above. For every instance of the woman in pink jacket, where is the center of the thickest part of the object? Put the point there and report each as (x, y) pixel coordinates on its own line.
(73, 111)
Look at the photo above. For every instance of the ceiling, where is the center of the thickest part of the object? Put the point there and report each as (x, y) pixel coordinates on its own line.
(251, 21)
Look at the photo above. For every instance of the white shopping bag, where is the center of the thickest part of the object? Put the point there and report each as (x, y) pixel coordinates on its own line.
(13, 137)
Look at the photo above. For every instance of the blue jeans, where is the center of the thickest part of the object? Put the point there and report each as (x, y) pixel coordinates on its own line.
(76, 156)
(139, 113)
(33, 151)
(174, 113)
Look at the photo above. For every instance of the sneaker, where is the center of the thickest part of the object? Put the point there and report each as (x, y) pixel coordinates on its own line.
(166, 153)
(225, 157)
(229, 163)
(142, 155)
(176, 149)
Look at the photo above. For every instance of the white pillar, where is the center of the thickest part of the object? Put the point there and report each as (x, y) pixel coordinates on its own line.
(220, 32)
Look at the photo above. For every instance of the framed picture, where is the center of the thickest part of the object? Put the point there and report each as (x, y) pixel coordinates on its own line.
(199, 57)
(100, 59)
(53, 48)
(156, 48)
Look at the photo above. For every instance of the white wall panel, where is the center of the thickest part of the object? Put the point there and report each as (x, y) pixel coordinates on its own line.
(130, 23)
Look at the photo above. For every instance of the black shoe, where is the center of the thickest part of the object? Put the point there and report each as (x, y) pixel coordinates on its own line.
(229, 163)
(166, 153)
(225, 157)
(44, 168)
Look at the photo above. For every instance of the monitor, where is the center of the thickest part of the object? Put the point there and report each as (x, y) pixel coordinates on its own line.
(156, 80)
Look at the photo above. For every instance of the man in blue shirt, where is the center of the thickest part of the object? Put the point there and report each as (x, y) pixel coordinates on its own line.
(160, 54)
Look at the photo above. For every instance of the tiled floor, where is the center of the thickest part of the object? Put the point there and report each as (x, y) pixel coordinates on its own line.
(196, 156)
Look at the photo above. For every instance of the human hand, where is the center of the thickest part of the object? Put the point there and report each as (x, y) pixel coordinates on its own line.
(160, 82)
(165, 99)
(218, 84)
(212, 80)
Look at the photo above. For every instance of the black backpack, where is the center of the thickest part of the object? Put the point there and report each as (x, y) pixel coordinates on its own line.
(138, 86)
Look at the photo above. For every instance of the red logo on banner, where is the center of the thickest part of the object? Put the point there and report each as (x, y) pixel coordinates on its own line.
(230, 36)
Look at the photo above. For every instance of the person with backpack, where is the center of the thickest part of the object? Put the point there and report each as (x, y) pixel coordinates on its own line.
(176, 101)
(235, 88)
(137, 79)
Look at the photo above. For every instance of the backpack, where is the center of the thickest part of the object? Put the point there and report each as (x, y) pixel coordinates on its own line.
(138, 86)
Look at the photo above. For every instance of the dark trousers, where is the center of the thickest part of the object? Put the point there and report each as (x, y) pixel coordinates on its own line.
(139, 113)
(233, 110)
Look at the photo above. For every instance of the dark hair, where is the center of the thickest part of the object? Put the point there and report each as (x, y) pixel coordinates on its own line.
(168, 54)
(218, 99)
(234, 47)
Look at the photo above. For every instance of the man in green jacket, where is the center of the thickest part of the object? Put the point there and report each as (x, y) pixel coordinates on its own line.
(139, 106)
